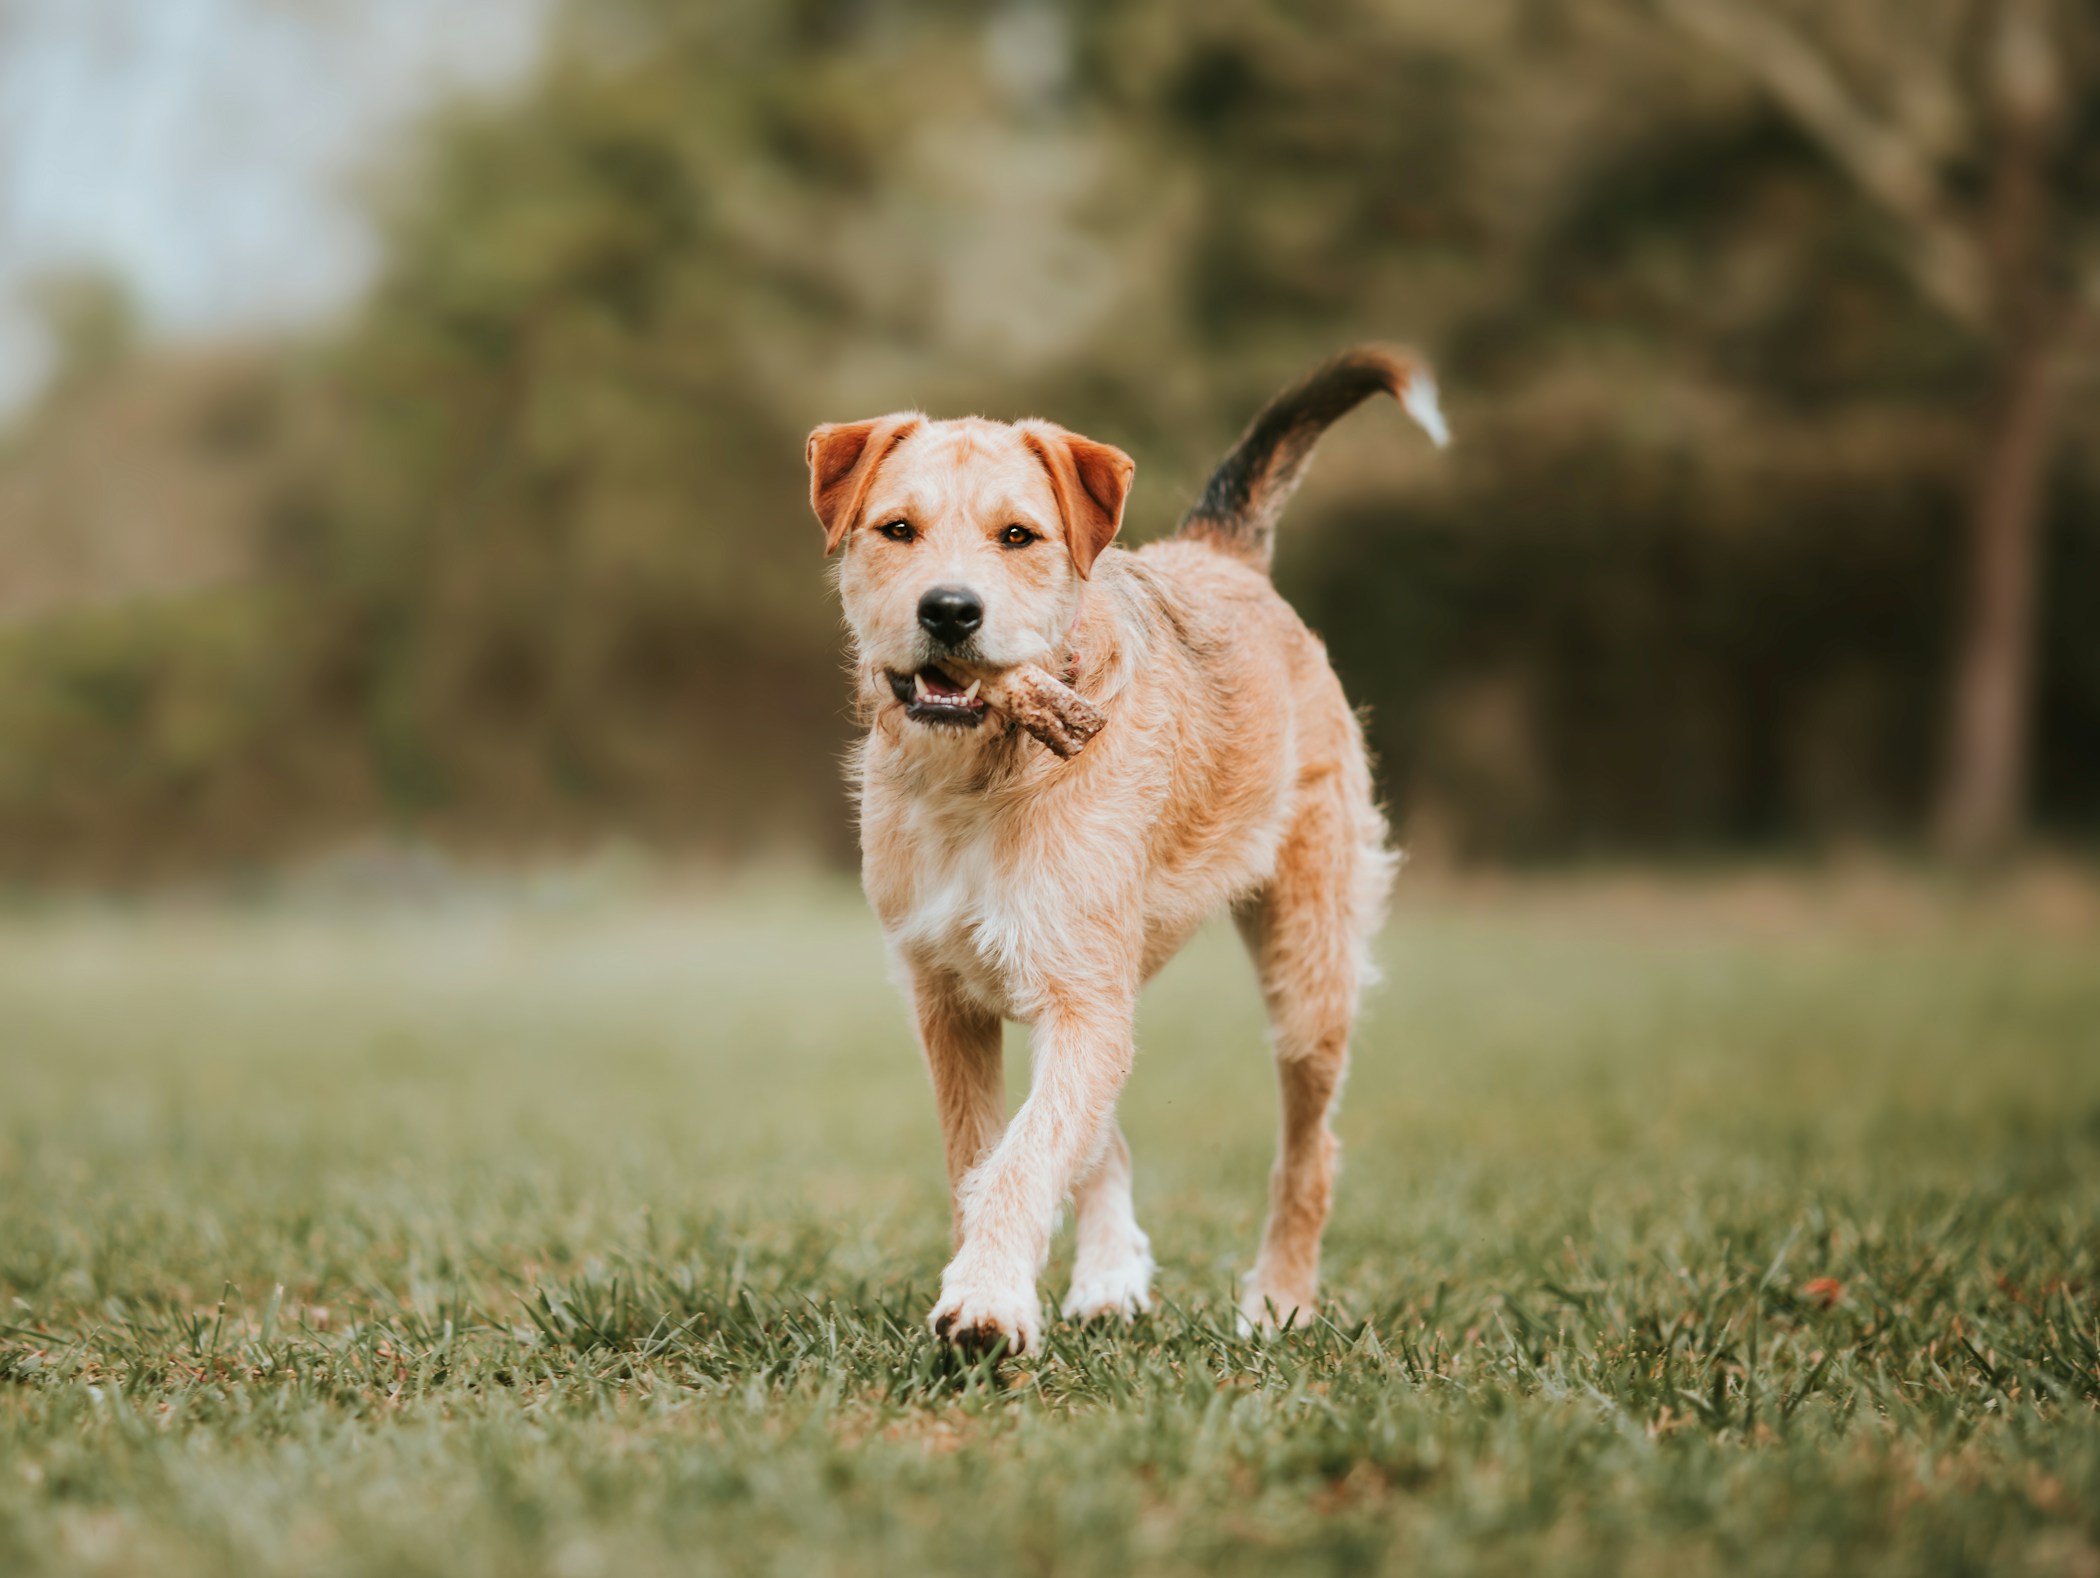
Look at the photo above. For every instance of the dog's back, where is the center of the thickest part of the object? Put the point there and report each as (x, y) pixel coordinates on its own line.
(1230, 715)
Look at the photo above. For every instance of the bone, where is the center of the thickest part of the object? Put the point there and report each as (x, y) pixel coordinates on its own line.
(1046, 707)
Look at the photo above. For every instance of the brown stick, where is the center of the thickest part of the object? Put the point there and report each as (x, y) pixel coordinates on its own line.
(1046, 707)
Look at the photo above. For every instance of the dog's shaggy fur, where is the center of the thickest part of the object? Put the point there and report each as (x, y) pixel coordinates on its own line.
(1013, 884)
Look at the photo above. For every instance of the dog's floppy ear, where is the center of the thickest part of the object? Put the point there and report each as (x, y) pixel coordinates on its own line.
(843, 457)
(1091, 482)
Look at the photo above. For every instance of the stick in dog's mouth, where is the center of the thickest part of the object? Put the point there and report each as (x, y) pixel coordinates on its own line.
(1047, 708)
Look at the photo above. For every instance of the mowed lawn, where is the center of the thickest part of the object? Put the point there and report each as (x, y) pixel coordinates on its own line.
(574, 1229)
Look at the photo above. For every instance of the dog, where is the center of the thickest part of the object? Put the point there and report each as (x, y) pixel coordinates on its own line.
(1011, 883)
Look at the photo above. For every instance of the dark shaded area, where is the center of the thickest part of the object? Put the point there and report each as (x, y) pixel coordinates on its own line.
(520, 558)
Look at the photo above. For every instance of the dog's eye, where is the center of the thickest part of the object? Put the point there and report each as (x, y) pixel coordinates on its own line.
(1017, 537)
(897, 531)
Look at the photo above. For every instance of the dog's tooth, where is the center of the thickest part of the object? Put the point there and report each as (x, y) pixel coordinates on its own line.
(970, 695)
(918, 686)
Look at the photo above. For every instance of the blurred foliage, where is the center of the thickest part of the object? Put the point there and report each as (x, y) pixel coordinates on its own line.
(529, 559)
(90, 318)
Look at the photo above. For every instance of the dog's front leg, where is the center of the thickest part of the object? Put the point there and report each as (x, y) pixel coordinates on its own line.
(1112, 1261)
(1009, 1203)
(966, 1057)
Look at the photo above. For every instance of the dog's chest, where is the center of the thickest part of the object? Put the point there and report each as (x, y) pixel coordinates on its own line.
(965, 909)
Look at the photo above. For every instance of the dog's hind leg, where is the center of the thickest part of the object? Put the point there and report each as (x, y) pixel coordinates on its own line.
(1112, 1265)
(1309, 931)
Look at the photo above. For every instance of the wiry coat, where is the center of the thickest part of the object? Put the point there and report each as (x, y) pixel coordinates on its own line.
(1012, 884)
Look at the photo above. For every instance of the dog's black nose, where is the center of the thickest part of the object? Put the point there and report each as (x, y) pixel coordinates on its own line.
(951, 614)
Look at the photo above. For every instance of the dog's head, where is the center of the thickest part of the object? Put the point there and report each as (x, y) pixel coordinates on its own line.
(965, 546)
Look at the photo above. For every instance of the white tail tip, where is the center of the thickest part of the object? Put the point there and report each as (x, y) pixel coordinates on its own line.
(1419, 402)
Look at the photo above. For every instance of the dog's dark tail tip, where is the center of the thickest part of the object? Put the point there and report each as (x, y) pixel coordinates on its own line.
(1244, 498)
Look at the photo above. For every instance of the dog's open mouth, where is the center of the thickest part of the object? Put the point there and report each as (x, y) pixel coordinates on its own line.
(929, 696)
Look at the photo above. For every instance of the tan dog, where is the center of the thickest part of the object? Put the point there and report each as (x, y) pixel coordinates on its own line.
(1015, 884)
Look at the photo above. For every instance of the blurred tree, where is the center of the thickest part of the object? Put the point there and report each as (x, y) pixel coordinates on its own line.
(1973, 128)
(523, 554)
(90, 319)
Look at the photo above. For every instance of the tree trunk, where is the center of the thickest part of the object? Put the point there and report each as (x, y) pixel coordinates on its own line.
(1984, 793)
(1983, 797)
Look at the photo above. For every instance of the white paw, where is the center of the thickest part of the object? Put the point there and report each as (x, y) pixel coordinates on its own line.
(976, 1313)
(1269, 1310)
(1122, 1289)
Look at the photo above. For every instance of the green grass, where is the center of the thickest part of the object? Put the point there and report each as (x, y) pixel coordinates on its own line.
(573, 1232)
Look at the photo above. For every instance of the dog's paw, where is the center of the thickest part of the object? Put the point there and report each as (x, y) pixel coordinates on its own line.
(978, 1318)
(1269, 1310)
(1122, 1290)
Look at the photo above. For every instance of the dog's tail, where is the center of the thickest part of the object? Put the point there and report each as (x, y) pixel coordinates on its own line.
(1244, 498)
